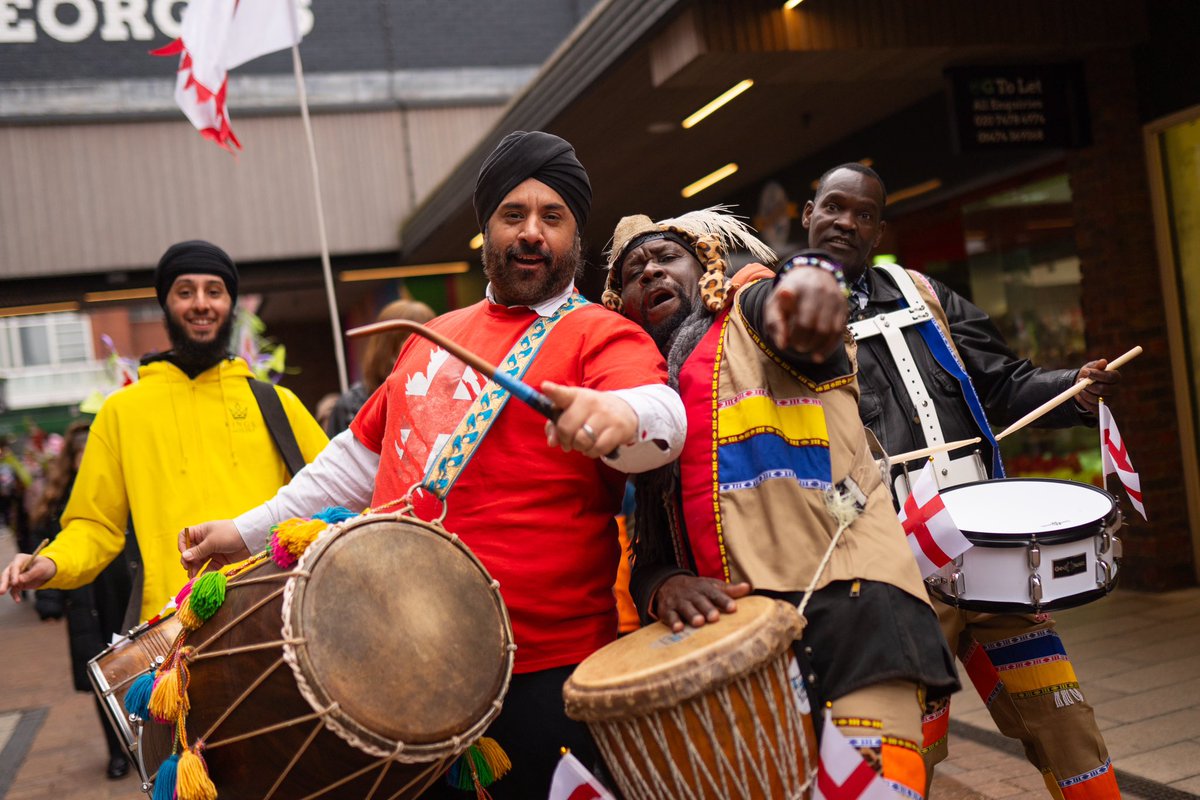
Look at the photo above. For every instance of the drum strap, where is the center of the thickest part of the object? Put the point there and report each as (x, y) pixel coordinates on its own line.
(445, 468)
(918, 313)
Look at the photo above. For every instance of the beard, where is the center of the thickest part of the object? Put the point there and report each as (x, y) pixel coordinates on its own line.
(663, 332)
(195, 357)
(511, 287)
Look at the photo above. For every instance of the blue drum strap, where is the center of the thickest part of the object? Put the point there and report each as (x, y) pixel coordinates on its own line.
(939, 347)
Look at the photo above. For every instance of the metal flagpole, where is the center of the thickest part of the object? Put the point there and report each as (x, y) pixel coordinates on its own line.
(334, 321)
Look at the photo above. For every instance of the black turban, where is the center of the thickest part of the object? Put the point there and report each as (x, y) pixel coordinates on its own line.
(542, 156)
(198, 257)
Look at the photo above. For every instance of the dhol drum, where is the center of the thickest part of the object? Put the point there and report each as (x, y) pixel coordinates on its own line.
(713, 712)
(1039, 545)
(112, 672)
(363, 671)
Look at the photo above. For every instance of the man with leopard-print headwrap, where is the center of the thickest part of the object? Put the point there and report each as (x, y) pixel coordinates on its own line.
(775, 447)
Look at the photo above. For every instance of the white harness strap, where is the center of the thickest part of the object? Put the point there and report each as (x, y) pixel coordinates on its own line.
(891, 327)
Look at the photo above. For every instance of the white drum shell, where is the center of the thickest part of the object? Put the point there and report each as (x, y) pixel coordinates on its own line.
(1038, 545)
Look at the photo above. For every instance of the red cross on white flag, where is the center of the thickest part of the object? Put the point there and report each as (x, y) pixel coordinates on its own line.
(219, 35)
(1116, 459)
(573, 781)
(843, 774)
(934, 538)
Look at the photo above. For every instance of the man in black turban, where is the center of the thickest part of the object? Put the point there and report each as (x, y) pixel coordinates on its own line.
(532, 199)
(535, 501)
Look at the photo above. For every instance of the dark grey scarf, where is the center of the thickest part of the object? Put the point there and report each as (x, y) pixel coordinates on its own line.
(656, 492)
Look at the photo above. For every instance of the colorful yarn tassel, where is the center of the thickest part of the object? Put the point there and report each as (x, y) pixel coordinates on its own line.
(169, 699)
(290, 538)
(187, 616)
(183, 593)
(334, 514)
(137, 699)
(207, 595)
(193, 782)
(164, 782)
(480, 765)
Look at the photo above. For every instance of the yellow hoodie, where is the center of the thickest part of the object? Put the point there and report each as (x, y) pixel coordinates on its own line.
(169, 451)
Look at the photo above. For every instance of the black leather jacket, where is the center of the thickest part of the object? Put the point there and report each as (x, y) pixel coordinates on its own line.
(1008, 387)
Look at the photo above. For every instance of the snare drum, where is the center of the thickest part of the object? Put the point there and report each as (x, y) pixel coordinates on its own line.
(1039, 545)
(713, 712)
(363, 671)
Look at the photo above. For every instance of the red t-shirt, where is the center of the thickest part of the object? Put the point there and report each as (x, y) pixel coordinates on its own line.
(539, 519)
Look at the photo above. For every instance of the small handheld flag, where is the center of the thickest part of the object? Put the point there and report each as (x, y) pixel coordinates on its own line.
(573, 781)
(843, 773)
(1115, 458)
(934, 538)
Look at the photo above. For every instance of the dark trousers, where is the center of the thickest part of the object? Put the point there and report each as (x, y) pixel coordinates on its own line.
(532, 728)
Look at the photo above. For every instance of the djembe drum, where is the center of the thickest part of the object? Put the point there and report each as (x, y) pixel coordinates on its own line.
(711, 713)
(364, 670)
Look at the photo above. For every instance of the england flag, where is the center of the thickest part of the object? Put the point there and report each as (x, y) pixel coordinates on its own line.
(934, 538)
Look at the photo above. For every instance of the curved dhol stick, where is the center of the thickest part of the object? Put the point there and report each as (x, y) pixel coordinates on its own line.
(519, 389)
(1066, 394)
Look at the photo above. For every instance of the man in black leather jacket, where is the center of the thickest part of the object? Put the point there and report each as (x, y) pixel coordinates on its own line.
(1060, 736)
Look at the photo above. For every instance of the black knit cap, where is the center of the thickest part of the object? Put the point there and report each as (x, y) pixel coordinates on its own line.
(196, 256)
(535, 154)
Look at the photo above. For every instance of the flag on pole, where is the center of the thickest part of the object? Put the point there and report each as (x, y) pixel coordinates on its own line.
(843, 774)
(219, 35)
(1115, 458)
(572, 781)
(934, 538)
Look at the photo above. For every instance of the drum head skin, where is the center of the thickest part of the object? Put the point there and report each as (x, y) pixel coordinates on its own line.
(400, 626)
(653, 668)
(1014, 511)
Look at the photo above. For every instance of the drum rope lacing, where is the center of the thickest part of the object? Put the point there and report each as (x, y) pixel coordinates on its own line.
(745, 778)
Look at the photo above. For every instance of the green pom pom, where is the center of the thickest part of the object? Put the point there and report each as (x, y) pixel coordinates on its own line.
(208, 593)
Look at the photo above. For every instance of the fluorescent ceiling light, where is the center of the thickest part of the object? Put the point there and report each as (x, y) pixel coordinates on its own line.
(476, 241)
(910, 192)
(709, 179)
(41, 308)
(120, 294)
(792, 4)
(410, 271)
(721, 100)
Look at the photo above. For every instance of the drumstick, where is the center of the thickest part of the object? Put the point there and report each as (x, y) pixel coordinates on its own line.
(913, 455)
(521, 390)
(33, 555)
(1066, 395)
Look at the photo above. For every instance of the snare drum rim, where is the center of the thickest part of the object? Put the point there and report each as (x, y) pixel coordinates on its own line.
(347, 728)
(1074, 533)
(1013, 607)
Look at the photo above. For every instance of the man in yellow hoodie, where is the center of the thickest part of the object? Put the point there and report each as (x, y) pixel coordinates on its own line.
(184, 444)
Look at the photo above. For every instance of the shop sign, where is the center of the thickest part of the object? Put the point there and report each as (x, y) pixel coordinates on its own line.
(72, 21)
(1011, 107)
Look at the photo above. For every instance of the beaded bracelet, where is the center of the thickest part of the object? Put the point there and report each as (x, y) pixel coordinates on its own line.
(803, 260)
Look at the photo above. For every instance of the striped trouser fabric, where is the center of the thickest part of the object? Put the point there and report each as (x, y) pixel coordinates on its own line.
(1020, 668)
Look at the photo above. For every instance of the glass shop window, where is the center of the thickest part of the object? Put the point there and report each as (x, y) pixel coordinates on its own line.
(1024, 272)
(1011, 251)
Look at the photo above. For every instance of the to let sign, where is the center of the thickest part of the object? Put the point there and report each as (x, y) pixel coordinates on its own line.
(1028, 106)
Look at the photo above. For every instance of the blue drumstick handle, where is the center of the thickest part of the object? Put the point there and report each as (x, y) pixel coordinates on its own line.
(528, 395)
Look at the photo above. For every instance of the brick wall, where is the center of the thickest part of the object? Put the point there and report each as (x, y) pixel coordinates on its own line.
(1123, 305)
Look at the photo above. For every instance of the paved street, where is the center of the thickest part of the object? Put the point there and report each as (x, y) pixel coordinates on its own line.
(1138, 656)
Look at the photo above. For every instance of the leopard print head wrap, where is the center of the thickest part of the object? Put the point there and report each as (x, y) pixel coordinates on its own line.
(710, 234)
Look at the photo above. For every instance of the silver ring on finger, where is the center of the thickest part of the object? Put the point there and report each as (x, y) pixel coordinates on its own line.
(591, 434)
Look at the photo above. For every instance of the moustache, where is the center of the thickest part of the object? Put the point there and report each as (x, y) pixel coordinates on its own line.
(523, 249)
